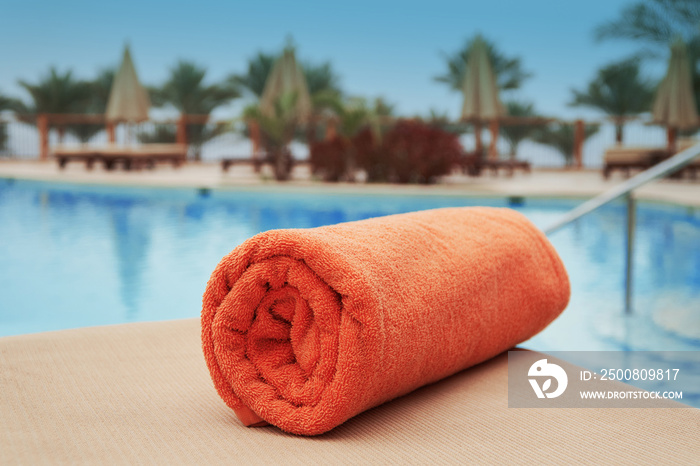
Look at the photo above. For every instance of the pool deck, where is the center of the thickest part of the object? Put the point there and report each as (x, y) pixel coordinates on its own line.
(141, 394)
(541, 182)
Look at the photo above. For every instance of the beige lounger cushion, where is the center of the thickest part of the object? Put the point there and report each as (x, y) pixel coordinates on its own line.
(684, 144)
(629, 155)
(141, 394)
(162, 149)
(72, 150)
(114, 149)
(107, 149)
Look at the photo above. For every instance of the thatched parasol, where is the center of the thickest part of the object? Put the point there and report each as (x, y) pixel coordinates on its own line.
(287, 78)
(480, 89)
(674, 105)
(128, 100)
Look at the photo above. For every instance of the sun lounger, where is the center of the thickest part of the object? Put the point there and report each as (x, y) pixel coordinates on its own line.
(509, 166)
(146, 155)
(256, 162)
(474, 164)
(694, 167)
(226, 163)
(176, 154)
(141, 394)
(631, 158)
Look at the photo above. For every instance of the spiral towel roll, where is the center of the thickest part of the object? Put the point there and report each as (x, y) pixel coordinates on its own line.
(305, 328)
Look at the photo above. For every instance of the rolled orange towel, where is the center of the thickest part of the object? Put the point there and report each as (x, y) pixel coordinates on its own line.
(304, 329)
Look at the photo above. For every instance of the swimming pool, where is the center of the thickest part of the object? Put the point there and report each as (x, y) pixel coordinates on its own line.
(79, 255)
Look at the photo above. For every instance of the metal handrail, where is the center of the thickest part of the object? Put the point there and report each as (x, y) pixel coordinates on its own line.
(668, 166)
(659, 170)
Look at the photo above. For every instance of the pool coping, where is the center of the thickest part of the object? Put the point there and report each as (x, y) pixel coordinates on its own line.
(570, 184)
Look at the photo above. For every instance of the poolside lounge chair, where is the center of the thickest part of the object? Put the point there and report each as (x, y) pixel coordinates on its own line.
(141, 393)
(259, 161)
(631, 158)
(470, 163)
(226, 163)
(693, 168)
(509, 165)
(474, 164)
(146, 155)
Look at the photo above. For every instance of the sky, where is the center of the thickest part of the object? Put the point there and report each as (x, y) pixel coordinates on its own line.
(391, 49)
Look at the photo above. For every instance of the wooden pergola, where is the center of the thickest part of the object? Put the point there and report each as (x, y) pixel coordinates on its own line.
(44, 122)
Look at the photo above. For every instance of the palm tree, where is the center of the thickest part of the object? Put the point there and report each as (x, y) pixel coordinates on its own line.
(57, 93)
(353, 114)
(515, 134)
(185, 90)
(375, 116)
(277, 131)
(160, 134)
(3, 136)
(656, 24)
(619, 91)
(508, 70)
(442, 120)
(324, 89)
(100, 88)
(560, 136)
(253, 81)
(6, 103)
(321, 80)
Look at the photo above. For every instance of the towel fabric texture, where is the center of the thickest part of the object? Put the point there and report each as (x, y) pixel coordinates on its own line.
(305, 328)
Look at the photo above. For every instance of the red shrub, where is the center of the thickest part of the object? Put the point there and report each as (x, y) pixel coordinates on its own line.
(410, 152)
(370, 158)
(417, 152)
(329, 158)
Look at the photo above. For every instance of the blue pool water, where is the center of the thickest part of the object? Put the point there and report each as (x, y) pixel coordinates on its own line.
(74, 256)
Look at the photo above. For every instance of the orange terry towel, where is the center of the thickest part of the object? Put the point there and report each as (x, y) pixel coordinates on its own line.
(306, 328)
